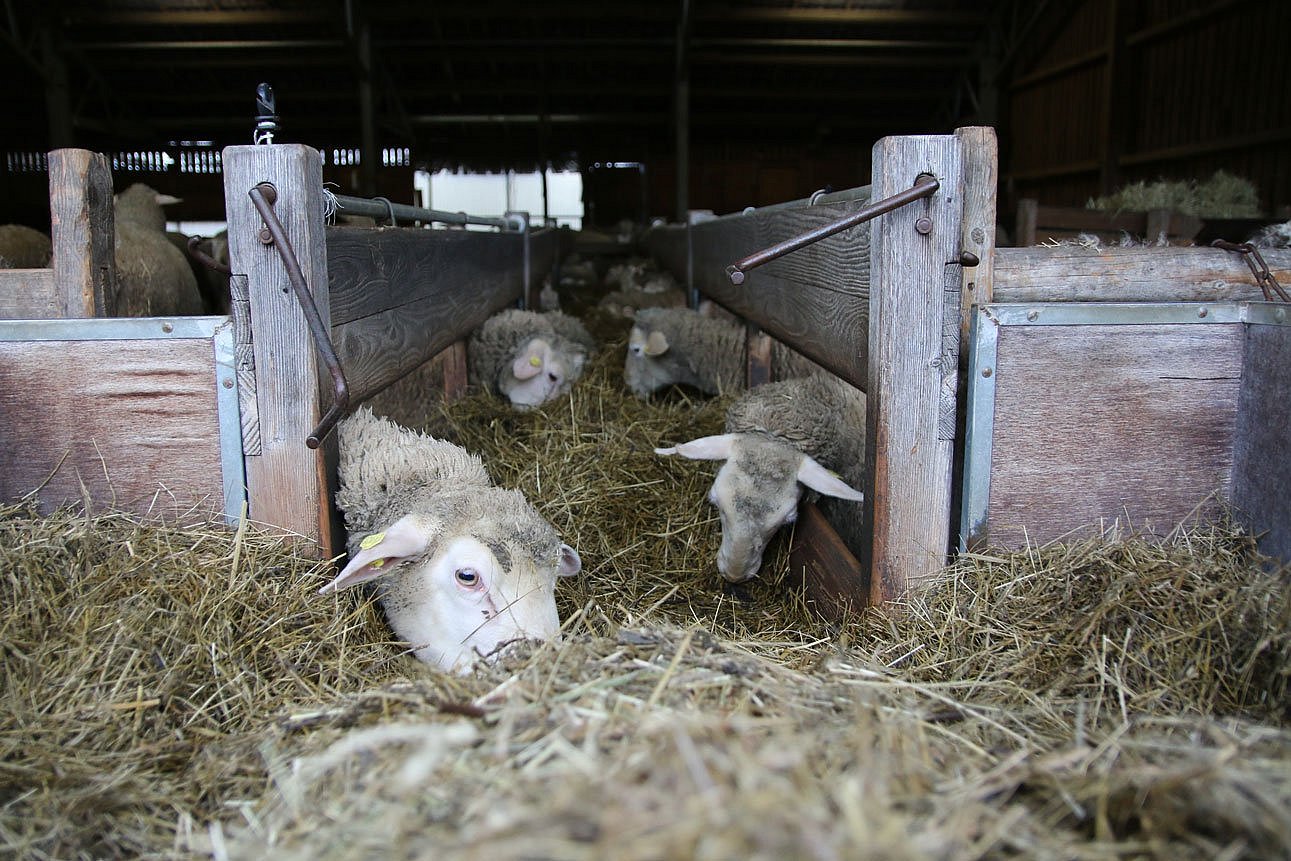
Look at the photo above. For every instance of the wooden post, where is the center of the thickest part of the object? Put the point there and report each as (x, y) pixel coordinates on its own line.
(83, 233)
(913, 364)
(287, 483)
(1024, 230)
(981, 179)
(454, 359)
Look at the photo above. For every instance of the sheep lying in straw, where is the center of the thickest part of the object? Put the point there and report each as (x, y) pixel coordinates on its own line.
(153, 276)
(779, 438)
(22, 247)
(463, 567)
(528, 357)
(678, 346)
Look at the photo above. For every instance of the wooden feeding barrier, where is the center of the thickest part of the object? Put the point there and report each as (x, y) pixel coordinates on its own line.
(1139, 386)
(203, 414)
(878, 304)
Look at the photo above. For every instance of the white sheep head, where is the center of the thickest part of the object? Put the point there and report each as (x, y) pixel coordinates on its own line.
(538, 372)
(451, 597)
(756, 492)
(651, 364)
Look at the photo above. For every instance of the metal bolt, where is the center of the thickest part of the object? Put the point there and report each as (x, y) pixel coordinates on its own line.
(986, 372)
(1033, 315)
(228, 384)
(167, 327)
(968, 258)
(1202, 313)
(736, 276)
(266, 238)
(923, 225)
(1280, 314)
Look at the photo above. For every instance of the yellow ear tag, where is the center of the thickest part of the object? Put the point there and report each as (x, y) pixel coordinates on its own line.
(535, 361)
(376, 563)
(372, 540)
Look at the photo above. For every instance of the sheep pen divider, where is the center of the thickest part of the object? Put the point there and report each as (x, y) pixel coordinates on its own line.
(881, 305)
(229, 401)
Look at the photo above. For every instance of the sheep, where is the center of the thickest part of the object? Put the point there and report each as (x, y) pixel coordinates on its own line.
(22, 247)
(527, 356)
(153, 276)
(781, 437)
(671, 346)
(462, 567)
(212, 284)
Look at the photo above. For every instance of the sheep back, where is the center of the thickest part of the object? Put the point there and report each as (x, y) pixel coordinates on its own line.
(23, 247)
(820, 415)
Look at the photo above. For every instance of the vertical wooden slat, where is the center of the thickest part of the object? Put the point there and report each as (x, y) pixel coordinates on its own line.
(1025, 228)
(288, 483)
(981, 177)
(912, 367)
(83, 233)
(454, 362)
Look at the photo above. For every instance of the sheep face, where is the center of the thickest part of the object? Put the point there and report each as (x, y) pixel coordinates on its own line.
(539, 372)
(651, 364)
(756, 492)
(452, 597)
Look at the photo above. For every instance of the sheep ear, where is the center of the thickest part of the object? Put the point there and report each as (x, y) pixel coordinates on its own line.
(704, 448)
(379, 552)
(168, 199)
(529, 363)
(656, 344)
(570, 563)
(821, 480)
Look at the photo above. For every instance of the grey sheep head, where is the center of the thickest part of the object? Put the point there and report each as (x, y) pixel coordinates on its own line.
(539, 371)
(756, 492)
(651, 364)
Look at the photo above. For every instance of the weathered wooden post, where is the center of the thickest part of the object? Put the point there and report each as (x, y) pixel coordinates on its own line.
(287, 482)
(916, 280)
(83, 233)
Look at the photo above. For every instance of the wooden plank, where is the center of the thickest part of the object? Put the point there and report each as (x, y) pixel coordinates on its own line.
(28, 294)
(757, 350)
(373, 270)
(455, 376)
(1098, 424)
(816, 299)
(667, 244)
(911, 365)
(126, 425)
(833, 579)
(1261, 461)
(544, 245)
(288, 483)
(401, 295)
(1077, 274)
(981, 178)
(83, 233)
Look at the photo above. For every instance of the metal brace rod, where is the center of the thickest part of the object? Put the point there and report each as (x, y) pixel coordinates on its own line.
(263, 197)
(1255, 261)
(925, 186)
(383, 208)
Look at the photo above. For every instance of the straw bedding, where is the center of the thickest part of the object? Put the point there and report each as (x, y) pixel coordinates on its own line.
(181, 691)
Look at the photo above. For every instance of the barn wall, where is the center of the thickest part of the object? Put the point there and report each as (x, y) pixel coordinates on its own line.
(1120, 92)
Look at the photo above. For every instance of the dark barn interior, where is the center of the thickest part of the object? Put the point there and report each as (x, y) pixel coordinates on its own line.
(705, 104)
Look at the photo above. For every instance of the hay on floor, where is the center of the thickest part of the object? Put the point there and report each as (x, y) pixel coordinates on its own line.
(176, 691)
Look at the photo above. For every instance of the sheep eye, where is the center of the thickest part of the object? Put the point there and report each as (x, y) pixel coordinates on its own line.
(467, 576)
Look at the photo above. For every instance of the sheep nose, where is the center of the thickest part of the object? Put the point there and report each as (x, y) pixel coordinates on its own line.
(555, 378)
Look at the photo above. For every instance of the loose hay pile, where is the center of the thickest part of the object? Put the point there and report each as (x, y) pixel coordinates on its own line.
(1222, 196)
(184, 693)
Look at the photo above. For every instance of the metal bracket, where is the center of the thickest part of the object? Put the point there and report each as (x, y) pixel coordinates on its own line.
(263, 197)
(1263, 277)
(925, 186)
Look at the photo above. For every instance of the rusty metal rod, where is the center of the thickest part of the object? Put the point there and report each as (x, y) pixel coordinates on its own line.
(382, 208)
(205, 259)
(263, 197)
(925, 186)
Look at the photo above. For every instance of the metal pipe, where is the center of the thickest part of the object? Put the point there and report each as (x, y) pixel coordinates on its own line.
(925, 186)
(406, 212)
(263, 197)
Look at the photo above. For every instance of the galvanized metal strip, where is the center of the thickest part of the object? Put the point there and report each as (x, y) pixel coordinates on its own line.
(232, 466)
(979, 434)
(110, 328)
(1116, 313)
(1268, 313)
